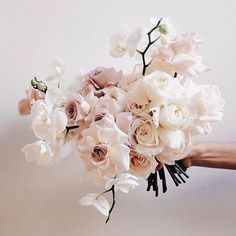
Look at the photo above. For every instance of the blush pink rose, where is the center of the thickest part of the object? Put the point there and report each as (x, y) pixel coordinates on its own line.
(76, 108)
(101, 78)
(141, 165)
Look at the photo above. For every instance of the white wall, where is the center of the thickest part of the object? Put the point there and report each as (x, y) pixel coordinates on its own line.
(38, 201)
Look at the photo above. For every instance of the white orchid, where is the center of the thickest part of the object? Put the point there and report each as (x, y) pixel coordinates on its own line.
(57, 71)
(168, 30)
(96, 200)
(39, 151)
(48, 123)
(123, 182)
(123, 42)
(49, 118)
(46, 154)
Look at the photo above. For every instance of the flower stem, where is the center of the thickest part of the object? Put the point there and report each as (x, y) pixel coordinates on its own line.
(150, 42)
(68, 128)
(113, 202)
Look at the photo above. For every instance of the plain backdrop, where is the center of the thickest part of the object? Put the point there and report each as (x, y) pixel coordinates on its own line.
(36, 201)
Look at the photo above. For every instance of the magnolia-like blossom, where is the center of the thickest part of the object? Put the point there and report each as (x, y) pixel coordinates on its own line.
(179, 57)
(124, 42)
(123, 182)
(98, 201)
(207, 103)
(103, 146)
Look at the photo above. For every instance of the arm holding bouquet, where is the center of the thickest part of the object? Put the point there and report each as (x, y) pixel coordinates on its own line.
(212, 154)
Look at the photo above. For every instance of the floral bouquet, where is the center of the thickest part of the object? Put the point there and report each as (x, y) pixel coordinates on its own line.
(126, 128)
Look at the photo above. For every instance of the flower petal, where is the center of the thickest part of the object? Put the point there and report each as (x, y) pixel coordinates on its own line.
(59, 120)
(30, 152)
(172, 139)
(120, 157)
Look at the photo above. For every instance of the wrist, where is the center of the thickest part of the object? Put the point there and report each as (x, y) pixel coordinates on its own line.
(196, 153)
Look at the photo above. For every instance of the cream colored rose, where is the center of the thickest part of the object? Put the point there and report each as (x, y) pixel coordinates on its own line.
(146, 134)
(144, 137)
(207, 103)
(173, 116)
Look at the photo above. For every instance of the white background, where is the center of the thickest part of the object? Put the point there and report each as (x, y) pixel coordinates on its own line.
(38, 201)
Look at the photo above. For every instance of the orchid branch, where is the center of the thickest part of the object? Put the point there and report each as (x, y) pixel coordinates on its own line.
(113, 202)
(68, 128)
(150, 43)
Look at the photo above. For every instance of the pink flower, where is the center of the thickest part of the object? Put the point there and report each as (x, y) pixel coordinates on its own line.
(180, 57)
(25, 104)
(105, 105)
(76, 108)
(103, 147)
(141, 165)
(24, 107)
(101, 78)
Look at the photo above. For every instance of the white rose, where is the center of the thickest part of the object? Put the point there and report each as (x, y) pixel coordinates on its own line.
(207, 103)
(173, 116)
(144, 137)
(158, 87)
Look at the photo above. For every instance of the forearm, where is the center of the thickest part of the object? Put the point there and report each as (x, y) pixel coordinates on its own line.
(215, 155)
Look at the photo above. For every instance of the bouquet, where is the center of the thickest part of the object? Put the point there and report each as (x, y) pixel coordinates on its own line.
(126, 127)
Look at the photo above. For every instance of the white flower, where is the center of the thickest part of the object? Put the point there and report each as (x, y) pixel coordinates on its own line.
(169, 30)
(38, 151)
(156, 88)
(96, 200)
(173, 115)
(57, 71)
(123, 42)
(174, 139)
(103, 146)
(46, 154)
(207, 103)
(123, 182)
(144, 137)
(48, 122)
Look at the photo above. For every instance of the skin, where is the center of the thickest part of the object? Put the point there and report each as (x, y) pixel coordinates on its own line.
(212, 154)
